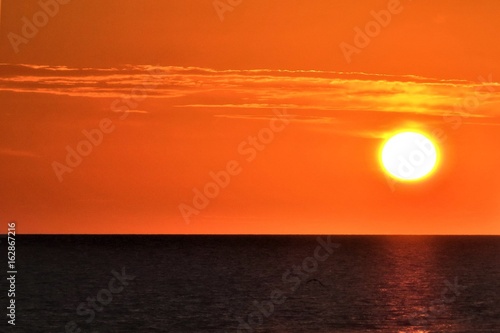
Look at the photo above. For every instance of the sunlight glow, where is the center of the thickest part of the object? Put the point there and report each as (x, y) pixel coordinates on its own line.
(409, 156)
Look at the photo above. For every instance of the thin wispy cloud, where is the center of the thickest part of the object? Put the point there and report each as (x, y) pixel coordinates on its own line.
(292, 118)
(8, 152)
(195, 87)
(138, 111)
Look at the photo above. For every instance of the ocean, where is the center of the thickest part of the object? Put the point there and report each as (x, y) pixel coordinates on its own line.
(320, 284)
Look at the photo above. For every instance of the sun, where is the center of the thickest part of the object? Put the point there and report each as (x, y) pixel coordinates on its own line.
(409, 156)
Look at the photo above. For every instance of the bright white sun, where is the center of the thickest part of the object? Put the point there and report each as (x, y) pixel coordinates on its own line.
(409, 156)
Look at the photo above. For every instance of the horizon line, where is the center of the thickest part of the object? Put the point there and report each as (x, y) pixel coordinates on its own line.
(228, 234)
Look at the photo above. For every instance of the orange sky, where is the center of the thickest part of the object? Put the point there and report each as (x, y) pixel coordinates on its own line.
(197, 89)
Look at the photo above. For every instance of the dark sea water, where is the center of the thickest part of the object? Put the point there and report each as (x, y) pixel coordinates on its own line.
(255, 284)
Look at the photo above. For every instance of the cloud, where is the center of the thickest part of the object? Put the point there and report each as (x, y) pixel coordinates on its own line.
(195, 87)
(138, 111)
(292, 118)
(17, 153)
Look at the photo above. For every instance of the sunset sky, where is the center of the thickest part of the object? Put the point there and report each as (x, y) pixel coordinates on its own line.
(173, 92)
